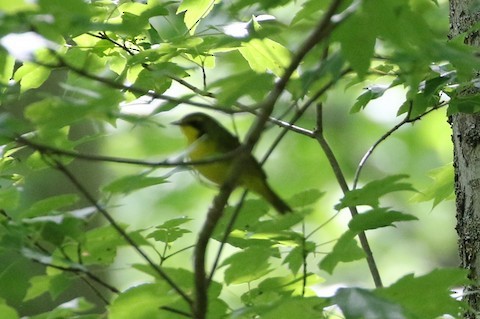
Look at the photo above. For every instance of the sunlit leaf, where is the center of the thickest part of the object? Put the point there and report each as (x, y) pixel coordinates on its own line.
(16, 6)
(7, 311)
(195, 10)
(266, 55)
(38, 286)
(31, 76)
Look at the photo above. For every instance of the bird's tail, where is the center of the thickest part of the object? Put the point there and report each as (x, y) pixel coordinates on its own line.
(277, 203)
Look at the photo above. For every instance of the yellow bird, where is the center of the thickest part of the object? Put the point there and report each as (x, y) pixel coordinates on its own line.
(208, 139)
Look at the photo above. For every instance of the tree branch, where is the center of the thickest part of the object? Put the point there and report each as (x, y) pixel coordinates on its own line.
(322, 30)
(130, 88)
(344, 186)
(50, 150)
(372, 148)
(60, 167)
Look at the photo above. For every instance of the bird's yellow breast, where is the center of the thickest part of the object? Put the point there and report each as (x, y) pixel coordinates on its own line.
(204, 148)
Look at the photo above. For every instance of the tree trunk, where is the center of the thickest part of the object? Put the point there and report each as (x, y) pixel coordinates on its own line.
(466, 141)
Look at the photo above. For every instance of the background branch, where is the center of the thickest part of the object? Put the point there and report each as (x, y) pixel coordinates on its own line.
(344, 186)
(59, 166)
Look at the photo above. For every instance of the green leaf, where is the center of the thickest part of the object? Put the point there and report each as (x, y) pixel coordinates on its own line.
(296, 257)
(7, 311)
(278, 225)
(372, 92)
(345, 250)
(50, 205)
(167, 234)
(38, 286)
(289, 285)
(130, 183)
(464, 103)
(59, 284)
(195, 10)
(371, 192)
(101, 245)
(377, 218)
(247, 265)
(254, 85)
(9, 198)
(357, 52)
(357, 303)
(427, 296)
(13, 7)
(305, 198)
(7, 65)
(441, 187)
(53, 113)
(69, 309)
(310, 11)
(266, 55)
(31, 76)
(142, 302)
(75, 17)
(249, 217)
(294, 307)
(152, 80)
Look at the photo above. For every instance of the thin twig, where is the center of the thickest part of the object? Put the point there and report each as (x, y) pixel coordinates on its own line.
(80, 270)
(59, 166)
(345, 189)
(178, 251)
(372, 148)
(49, 150)
(176, 311)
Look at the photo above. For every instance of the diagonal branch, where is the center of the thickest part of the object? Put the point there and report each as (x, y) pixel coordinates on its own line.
(60, 167)
(372, 148)
(321, 32)
(344, 186)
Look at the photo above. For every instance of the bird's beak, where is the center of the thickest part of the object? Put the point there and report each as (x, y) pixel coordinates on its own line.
(179, 122)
